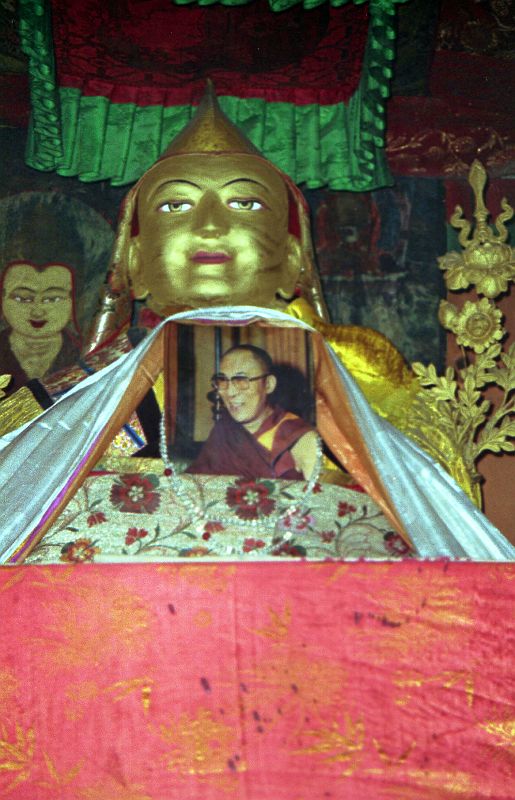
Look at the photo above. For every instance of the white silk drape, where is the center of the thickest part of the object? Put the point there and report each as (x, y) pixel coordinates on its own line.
(38, 460)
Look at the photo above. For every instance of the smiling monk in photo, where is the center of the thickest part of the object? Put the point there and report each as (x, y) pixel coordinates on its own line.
(255, 438)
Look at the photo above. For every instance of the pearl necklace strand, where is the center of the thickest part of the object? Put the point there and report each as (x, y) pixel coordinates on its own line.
(194, 509)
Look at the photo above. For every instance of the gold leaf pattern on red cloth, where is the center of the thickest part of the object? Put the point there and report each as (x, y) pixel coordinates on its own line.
(312, 680)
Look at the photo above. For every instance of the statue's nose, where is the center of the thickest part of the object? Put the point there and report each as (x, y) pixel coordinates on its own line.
(37, 310)
(210, 216)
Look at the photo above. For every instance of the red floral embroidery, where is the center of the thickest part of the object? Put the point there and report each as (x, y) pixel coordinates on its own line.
(250, 499)
(252, 544)
(327, 536)
(297, 522)
(396, 544)
(213, 527)
(206, 536)
(79, 550)
(289, 549)
(96, 518)
(345, 508)
(135, 493)
(133, 534)
(356, 487)
(315, 490)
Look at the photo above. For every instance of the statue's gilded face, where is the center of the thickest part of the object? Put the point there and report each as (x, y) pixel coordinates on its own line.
(37, 304)
(213, 230)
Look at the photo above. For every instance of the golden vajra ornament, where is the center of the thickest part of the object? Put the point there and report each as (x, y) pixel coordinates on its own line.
(487, 263)
(451, 417)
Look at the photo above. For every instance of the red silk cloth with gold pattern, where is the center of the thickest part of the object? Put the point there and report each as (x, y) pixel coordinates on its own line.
(356, 680)
(157, 53)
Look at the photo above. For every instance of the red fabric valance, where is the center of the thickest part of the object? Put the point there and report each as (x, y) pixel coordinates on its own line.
(156, 53)
(110, 88)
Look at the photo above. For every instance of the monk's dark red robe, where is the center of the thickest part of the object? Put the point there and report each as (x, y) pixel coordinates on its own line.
(231, 450)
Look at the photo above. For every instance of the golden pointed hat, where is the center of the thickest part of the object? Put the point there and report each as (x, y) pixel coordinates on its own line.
(209, 131)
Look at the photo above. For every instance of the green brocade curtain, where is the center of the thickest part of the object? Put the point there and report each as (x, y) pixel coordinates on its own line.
(340, 145)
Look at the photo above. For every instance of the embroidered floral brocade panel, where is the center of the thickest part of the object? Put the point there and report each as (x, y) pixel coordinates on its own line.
(138, 516)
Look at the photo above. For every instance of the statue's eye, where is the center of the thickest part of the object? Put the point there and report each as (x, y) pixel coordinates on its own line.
(22, 298)
(175, 208)
(246, 205)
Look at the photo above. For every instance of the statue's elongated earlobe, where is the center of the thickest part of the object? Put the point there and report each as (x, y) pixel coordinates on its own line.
(293, 269)
(136, 280)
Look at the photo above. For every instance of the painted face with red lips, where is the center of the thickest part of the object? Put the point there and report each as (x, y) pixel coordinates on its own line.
(37, 304)
(213, 230)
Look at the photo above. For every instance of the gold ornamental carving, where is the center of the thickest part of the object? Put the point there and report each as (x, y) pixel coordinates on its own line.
(452, 417)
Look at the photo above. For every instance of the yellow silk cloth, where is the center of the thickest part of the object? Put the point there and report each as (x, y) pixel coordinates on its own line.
(390, 387)
(375, 364)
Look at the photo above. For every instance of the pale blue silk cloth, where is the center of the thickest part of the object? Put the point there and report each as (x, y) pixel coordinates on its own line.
(38, 460)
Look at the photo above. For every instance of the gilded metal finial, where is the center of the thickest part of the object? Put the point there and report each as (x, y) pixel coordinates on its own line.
(487, 263)
(210, 131)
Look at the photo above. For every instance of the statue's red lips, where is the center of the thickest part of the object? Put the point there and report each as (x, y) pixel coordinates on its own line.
(206, 257)
(38, 323)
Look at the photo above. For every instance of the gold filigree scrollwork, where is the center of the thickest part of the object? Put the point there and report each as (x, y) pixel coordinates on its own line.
(451, 417)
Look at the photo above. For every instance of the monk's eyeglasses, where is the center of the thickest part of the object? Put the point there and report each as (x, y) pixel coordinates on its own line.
(240, 382)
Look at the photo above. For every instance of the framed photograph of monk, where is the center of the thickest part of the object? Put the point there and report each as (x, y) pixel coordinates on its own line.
(243, 400)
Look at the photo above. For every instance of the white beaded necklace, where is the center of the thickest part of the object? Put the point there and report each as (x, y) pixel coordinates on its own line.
(197, 513)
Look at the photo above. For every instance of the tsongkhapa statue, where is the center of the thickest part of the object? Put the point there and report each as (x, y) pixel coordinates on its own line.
(213, 223)
(213, 274)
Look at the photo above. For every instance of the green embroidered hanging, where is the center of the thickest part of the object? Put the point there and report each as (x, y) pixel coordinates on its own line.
(94, 136)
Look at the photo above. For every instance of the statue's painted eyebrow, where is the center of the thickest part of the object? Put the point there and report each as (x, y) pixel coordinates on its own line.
(22, 289)
(34, 291)
(174, 181)
(196, 185)
(246, 180)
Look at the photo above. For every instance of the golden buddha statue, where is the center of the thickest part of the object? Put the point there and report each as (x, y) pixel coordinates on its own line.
(213, 223)
(210, 227)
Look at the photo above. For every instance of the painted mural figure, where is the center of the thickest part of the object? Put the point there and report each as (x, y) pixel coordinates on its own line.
(38, 307)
